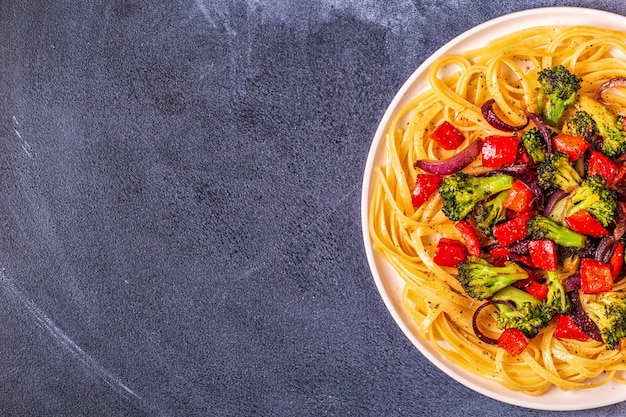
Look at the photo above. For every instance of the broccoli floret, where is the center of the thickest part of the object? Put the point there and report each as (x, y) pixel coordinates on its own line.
(460, 192)
(557, 172)
(582, 124)
(529, 315)
(481, 280)
(557, 300)
(608, 311)
(487, 213)
(540, 227)
(594, 196)
(607, 124)
(557, 90)
(534, 144)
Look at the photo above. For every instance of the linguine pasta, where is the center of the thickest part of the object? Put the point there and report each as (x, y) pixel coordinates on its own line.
(505, 70)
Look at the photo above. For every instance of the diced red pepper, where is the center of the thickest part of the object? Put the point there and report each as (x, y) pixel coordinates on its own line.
(533, 287)
(449, 252)
(447, 136)
(512, 230)
(500, 252)
(573, 146)
(583, 222)
(595, 276)
(519, 197)
(543, 253)
(425, 186)
(522, 156)
(499, 151)
(499, 255)
(513, 340)
(617, 260)
(567, 329)
(469, 236)
(602, 165)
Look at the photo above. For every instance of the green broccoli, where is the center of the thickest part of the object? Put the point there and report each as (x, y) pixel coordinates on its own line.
(608, 311)
(481, 280)
(557, 90)
(557, 172)
(529, 315)
(487, 213)
(594, 196)
(534, 144)
(540, 227)
(557, 300)
(581, 124)
(460, 192)
(607, 124)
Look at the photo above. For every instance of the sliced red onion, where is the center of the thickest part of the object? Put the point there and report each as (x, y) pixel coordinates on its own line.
(572, 283)
(612, 83)
(519, 248)
(477, 332)
(454, 163)
(603, 250)
(543, 129)
(581, 319)
(512, 170)
(609, 253)
(495, 122)
(554, 198)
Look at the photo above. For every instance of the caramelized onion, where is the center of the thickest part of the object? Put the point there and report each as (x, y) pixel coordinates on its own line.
(546, 134)
(581, 319)
(572, 283)
(477, 331)
(605, 249)
(612, 83)
(555, 197)
(492, 118)
(454, 163)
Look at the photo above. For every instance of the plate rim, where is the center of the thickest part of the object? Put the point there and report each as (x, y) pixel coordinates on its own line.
(451, 369)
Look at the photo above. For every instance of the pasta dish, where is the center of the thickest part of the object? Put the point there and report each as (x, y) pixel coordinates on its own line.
(501, 206)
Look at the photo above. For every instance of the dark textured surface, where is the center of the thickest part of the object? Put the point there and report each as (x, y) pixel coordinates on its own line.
(180, 231)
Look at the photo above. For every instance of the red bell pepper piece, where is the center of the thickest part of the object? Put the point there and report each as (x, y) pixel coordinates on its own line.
(538, 290)
(425, 186)
(617, 260)
(512, 230)
(469, 236)
(533, 287)
(447, 136)
(513, 340)
(567, 329)
(602, 165)
(522, 156)
(449, 252)
(583, 222)
(519, 198)
(499, 151)
(573, 146)
(543, 254)
(499, 255)
(595, 276)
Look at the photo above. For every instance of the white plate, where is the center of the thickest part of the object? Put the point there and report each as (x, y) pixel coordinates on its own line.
(387, 280)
